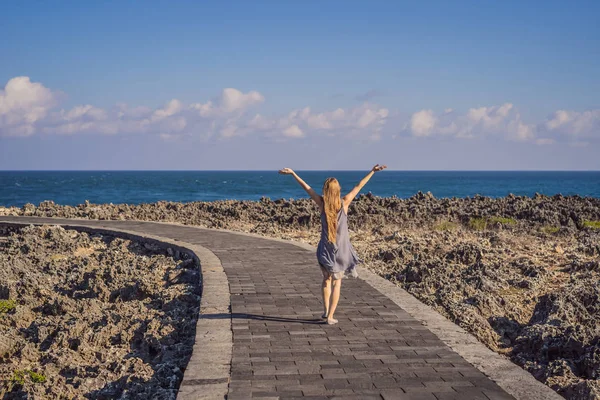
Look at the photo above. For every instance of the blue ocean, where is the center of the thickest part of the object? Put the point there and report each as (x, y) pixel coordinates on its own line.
(134, 187)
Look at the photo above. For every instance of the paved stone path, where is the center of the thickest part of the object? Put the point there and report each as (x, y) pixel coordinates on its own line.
(282, 350)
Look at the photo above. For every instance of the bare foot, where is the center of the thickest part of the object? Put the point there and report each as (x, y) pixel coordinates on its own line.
(331, 321)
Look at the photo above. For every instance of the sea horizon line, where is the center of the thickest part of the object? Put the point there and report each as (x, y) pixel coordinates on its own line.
(298, 170)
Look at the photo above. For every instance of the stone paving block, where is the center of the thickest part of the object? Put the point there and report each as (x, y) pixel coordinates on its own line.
(385, 383)
(448, 395)
(264, 395)
(436, 386)
(473, 393)
(334, 374)
(336, 383)
(238, 396)
(485, 383)
(306, 397)
(400, 395)
(497, 394)
(315, 389)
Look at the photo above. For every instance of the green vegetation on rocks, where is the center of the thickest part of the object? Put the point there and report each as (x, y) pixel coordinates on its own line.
(478, 224)
(592, 224)
(550, 229)
(446, 226)
(7, 306)
(19, 377)
(36, 378)
(502, 220)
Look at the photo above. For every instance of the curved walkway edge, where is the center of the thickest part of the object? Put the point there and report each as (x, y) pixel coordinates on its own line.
(208, 373)
(509, 376)
(209, 368)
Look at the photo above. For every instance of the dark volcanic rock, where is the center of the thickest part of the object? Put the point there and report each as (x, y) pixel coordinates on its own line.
(367, 211)
(520, 273)
(97, 316)
(565, 331)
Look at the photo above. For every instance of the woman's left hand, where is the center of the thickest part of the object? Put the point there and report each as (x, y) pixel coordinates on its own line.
(286, 171)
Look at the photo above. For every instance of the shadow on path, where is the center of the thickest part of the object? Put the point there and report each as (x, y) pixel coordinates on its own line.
(316, 321)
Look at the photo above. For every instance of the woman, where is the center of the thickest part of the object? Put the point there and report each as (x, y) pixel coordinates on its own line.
(335, 254)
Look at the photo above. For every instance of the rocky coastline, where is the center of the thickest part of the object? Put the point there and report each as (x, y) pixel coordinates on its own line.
(93, 316)
(520, 273)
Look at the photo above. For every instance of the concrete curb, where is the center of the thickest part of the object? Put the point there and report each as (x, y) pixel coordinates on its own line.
(208, 371)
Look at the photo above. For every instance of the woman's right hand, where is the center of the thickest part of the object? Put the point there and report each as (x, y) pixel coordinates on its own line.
(286, 171)
(378, 167)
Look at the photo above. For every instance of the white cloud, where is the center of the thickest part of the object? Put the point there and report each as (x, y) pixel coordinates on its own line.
(221, 117)
(233, 99)
(121, 119)
(260, 123)
(22, 105)
(293, 131)
(88, 111)
(229, 129)
(319, 121)
(516, 129)
(205, 110)
(372, 117)
(422, 123)
(559, 118)
(573, 123)
(171, 108)
(364, 120)
(489, 116)
(79, 119)
(27, 108)
(230, 101)
(503, 119)
(124, 111)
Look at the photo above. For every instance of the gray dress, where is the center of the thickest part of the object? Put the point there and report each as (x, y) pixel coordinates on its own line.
(339, 258)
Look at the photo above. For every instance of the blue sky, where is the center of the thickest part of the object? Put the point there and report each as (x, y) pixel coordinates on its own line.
(317, 85)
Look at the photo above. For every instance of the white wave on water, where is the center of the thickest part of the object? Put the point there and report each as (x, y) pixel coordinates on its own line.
(17, 184)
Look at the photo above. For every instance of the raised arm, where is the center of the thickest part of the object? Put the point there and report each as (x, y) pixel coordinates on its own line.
(313, 195)
(350, 196)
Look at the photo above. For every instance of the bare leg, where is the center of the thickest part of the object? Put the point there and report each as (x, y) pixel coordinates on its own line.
(326, 286)
(335, 297)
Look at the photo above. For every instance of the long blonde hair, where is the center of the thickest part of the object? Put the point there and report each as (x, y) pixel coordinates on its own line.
(331, 205)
